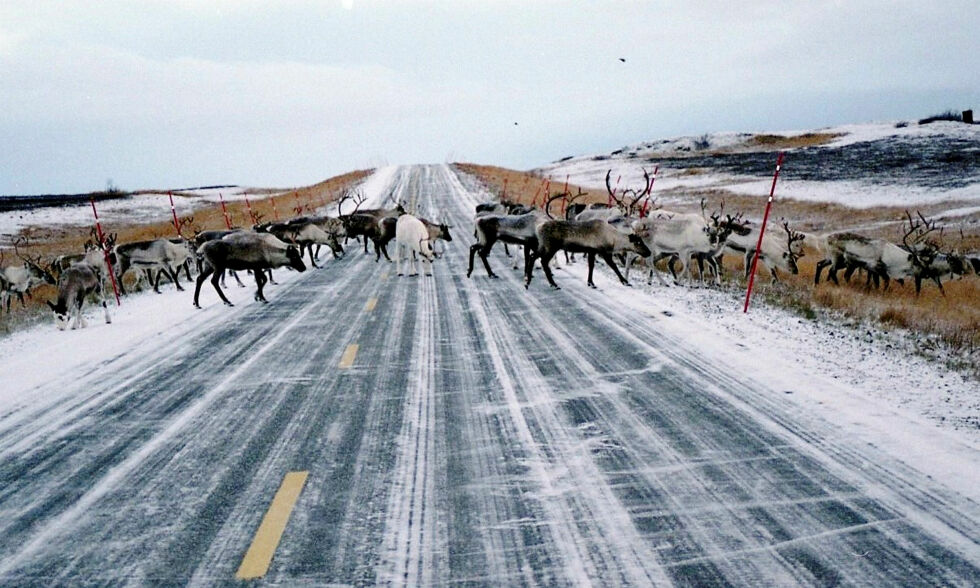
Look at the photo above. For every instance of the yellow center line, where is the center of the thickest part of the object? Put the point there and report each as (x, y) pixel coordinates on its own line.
(350, 353)
(259, 555)
(371, 303)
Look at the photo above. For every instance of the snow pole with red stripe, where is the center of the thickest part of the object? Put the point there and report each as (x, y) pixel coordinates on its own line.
(534, 202)
(105, 252)
(762, 231)
(248, 205)
(646, 202)
(224, 211)
(173, 211)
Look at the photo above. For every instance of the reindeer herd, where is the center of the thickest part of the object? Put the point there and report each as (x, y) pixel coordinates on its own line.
(214, 254)
(627, 231)
(631, 230)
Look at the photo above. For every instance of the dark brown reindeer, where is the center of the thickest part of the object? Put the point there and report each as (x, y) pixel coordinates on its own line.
(245, 251)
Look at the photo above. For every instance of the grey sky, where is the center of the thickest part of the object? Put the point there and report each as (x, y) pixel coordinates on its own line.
(158, 94)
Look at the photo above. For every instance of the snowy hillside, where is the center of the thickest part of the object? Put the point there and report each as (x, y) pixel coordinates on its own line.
(866, 165)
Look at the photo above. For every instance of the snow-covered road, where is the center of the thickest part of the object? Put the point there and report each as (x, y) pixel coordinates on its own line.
(482, 434)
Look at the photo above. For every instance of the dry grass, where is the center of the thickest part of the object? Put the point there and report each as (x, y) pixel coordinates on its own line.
(794, 142)
(524, 187)
(49, 242)
(952, 320)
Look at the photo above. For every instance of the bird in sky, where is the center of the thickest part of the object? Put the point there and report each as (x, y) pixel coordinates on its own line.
(623, 59)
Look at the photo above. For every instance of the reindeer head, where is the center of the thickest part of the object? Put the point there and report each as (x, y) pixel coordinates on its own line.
(60, 310)
(34, 265)
(794, 247)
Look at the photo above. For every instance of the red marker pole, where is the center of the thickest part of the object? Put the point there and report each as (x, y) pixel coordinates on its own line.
(224, 211)
(504, 197)
(534, 202)
(105, 252)
(762, 231)
(248, 205)
(173, 211)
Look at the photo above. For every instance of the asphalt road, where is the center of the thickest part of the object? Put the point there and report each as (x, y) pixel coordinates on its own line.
(477, 434)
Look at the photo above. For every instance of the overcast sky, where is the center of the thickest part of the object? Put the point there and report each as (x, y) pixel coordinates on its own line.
(166, 94)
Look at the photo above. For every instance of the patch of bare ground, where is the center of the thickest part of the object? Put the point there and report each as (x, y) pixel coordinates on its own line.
(946, 326)
(50, 242)
(770, 142)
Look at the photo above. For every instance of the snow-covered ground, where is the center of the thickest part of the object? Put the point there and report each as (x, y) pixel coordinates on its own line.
(146, 206)
(859, 378)
(627, 164)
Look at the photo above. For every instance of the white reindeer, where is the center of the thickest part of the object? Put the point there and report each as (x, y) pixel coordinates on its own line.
(412, 237)
(683, 235)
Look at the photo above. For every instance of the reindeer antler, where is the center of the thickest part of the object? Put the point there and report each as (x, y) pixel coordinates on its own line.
(920, 246)
(792, 237)
(547, 204)
(634, 194)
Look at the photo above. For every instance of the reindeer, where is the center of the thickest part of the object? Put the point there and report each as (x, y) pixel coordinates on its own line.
(778, 252)
(591, 237)
(883, 260)
(203, 237)
(304, 234)
(683, 235)
(156, 254)
(245, 251)
(75, 285)
(412, 237)
(20, 279)
(513, 229)
(358, 223)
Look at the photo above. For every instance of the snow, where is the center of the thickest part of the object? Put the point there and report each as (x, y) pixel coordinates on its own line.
(865, 381)
(146, 206)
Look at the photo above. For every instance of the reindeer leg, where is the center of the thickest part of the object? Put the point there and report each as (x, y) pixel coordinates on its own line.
(214, 282)
(473, 249)
(546, 266)
(205, 271)
(260, 281)
(820, 266)
(175, 276)
(590, 259)
(608, 258)
(105, 307)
